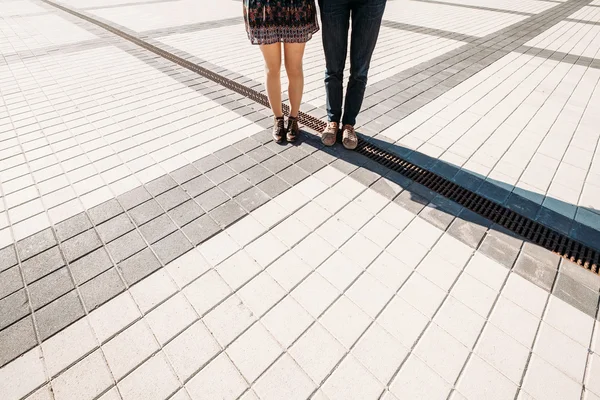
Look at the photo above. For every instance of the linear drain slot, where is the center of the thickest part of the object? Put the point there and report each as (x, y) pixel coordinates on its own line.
(528, 229)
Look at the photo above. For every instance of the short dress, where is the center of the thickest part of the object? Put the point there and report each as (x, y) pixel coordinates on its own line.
(287, 21)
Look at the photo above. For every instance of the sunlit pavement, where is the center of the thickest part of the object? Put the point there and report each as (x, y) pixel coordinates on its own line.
(156, 244)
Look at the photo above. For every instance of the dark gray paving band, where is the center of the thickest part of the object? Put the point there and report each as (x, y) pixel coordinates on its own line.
(117, 228)
(51, 50)
(561, 56)
(428, 31)
(582, 21)
(128, 4)
(195, 27)
(498, 10)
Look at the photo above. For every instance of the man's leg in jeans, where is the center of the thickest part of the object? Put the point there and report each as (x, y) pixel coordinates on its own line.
(335, 18)
(366, 21)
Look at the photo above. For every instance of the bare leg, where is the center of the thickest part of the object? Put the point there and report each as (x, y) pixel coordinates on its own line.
(272, 55)
(294, 52)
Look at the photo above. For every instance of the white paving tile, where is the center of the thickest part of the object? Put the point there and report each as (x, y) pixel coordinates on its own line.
(543, 381)
(569, 320)
(474, 294)
(403, 321)
(261, 293)
(459, 321)
(422, 294)
(345, 321)
(113, 316)
(171, 317)
(289, 270)
(561, 351)
(187, 267)
(152, 380)
(254, 351)
(284, 380)
(84, 380)
(380, 352)
(480, 381)
(238, 269)
(315, 294)
(390, 271)
(317, 352)
(68, 346)
(191, 350)
(266, 249)
(129, 349)
(23, 375)
(443, 353)
(351, 381)
(206, 292)
(218, 380)
(417, 381)
(369, 294)
(153, 290)
(503, 353)
(339, 270)
(228, 320)
(287, 320)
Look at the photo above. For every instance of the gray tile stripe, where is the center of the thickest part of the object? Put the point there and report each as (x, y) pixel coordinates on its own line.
(51, 50)
(582, 21)
(130, 4)
(428, 31)
(439, 211)
(499, 10)
(195, 27)
(558, 56)
(561, 56)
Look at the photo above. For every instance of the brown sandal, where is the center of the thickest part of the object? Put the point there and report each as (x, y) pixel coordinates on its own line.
(292, 129)
(278, 129)
(329, 135)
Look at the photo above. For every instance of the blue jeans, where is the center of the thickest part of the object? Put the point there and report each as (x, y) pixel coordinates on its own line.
(366, 21)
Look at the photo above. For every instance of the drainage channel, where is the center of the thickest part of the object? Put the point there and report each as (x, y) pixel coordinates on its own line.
(527, 228)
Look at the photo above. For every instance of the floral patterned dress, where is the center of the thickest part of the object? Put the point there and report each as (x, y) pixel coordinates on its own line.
(273, 21)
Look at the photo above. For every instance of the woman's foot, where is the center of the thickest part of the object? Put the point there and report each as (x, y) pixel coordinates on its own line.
(278, 129)
(292, 129)
(349, 138)
(329, 135)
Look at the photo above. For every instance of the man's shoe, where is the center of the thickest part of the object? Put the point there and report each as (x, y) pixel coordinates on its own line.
(349, 138)
(329, 135)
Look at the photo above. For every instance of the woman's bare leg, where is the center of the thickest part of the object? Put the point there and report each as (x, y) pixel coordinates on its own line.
(272, 55)
(294, 52)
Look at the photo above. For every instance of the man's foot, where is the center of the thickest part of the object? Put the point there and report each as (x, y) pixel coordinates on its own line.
(349, 138)
(292, 129)
(278, 129)
(329, 134)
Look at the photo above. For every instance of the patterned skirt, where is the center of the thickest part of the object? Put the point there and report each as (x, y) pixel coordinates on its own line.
(287, 21)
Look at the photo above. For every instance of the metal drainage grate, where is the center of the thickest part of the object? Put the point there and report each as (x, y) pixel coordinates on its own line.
(525, 227)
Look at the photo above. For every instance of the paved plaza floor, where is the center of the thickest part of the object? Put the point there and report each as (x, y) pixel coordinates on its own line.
(156, 244)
